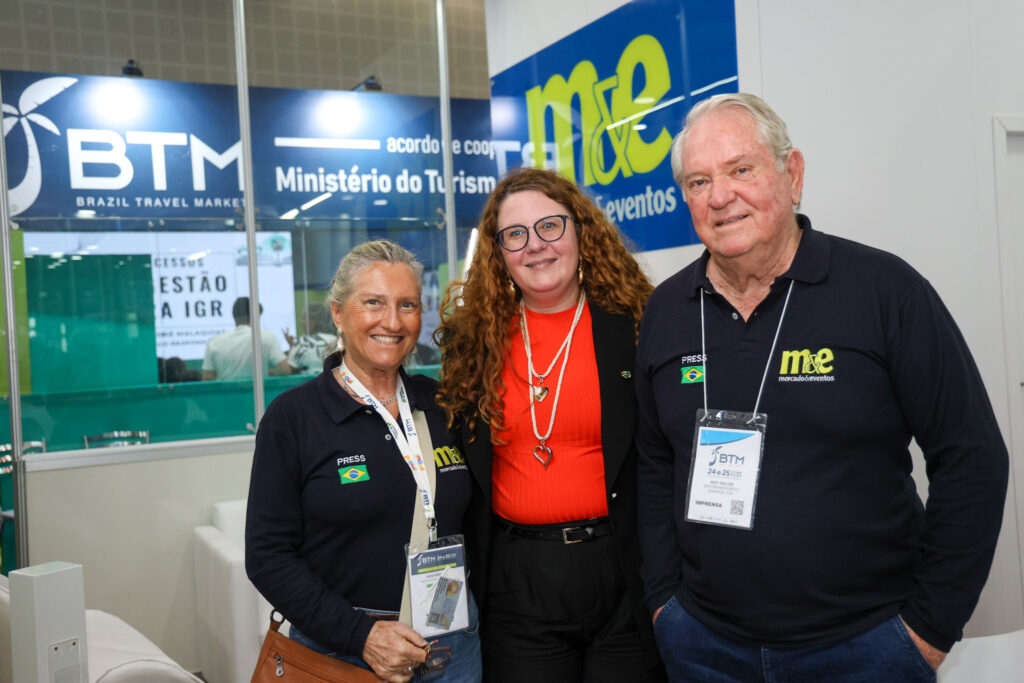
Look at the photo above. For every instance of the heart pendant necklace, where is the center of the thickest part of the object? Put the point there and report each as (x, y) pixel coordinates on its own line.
(542, 451)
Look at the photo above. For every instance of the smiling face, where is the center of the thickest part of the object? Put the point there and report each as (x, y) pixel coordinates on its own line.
(545, 272)
(740, 202)
(380, 321)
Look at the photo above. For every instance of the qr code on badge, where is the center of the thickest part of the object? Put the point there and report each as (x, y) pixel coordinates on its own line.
(736, 507)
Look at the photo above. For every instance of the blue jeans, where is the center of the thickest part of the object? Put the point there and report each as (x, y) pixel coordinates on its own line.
(692, 652)
(463, 667)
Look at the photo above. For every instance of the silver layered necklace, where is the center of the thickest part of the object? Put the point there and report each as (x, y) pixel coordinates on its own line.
(537, 393)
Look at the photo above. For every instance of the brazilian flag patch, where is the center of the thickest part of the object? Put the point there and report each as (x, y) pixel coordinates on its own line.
(693, 374)
(354, 474)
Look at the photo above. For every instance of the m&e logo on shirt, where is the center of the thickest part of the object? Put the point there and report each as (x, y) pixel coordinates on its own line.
(803, 365)
(448, 459)
(448, 455)
(354, 474)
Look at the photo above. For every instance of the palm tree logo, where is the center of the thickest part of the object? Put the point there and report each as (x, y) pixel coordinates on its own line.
(23, 196)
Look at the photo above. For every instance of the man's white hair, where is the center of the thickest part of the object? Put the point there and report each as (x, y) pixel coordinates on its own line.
(770, 127)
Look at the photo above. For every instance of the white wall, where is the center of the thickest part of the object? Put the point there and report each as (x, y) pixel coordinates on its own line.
(517, 29)
(130, 526)
(893, 106)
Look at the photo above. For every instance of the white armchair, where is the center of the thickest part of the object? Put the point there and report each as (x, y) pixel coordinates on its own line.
(232, 617)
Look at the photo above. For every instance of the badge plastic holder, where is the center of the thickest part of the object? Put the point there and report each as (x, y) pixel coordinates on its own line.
(438, 591)
(725, 468)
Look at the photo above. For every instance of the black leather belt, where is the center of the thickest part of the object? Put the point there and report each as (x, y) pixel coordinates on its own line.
(570, 532)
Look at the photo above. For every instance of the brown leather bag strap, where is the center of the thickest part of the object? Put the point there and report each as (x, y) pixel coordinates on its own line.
(275, 625)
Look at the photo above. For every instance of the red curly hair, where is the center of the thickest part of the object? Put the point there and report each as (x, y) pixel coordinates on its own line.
(477, 312)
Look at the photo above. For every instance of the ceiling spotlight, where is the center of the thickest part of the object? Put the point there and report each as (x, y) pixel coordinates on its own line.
(368, 83)
(131, 68)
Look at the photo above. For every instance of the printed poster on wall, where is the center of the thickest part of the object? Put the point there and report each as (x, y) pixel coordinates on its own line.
(196, 278)
(603, 104)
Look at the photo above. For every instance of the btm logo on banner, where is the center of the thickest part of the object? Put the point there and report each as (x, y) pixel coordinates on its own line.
(96, 149)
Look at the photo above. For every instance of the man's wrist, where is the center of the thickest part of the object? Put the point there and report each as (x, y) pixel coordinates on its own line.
(933, 655)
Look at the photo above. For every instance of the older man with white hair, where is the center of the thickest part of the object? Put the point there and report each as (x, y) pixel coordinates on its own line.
(781, 378)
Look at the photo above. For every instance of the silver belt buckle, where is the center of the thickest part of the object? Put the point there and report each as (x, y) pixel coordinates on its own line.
(565, 538)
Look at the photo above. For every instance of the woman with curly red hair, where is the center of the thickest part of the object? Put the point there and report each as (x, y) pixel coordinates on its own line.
(538, 346)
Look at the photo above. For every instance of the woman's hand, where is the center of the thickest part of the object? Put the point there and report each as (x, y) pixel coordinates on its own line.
(393, 650)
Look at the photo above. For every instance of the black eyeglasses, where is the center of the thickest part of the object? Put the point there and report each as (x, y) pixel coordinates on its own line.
(516, 237)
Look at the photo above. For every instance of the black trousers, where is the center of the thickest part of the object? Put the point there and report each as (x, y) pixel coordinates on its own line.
(560, 613)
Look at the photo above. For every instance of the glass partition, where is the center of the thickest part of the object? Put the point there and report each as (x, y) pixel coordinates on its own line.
(126, 195)
(352, 151)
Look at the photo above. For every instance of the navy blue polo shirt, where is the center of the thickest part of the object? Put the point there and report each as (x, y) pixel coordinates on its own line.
(867, 358)
(331, 503)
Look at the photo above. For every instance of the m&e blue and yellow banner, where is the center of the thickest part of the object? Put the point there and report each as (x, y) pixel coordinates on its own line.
(603, 104)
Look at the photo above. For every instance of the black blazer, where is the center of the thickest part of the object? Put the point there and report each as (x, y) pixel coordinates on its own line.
(615, 348)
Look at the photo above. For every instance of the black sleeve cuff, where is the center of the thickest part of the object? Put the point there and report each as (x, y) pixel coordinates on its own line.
(930, 635)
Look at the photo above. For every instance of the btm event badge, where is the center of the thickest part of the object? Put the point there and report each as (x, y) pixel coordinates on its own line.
(727, 449)
(437, 587)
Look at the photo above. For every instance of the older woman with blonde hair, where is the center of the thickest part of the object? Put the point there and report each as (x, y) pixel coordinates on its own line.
(341, 465)
(538, 345)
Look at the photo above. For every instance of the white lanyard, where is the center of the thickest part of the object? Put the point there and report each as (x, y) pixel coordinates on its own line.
(408, 442)
(704, 348)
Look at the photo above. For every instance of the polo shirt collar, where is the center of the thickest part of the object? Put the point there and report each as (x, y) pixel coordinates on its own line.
(340, 404)
(810, 263)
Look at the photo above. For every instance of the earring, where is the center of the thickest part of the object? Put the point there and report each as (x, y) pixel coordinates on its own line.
(511, 286)
(580, 274)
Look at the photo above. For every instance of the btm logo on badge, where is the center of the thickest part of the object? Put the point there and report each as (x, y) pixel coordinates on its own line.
(720, 458)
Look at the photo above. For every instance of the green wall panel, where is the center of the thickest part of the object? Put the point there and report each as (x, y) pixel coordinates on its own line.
(90, 321)
(20, 315)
